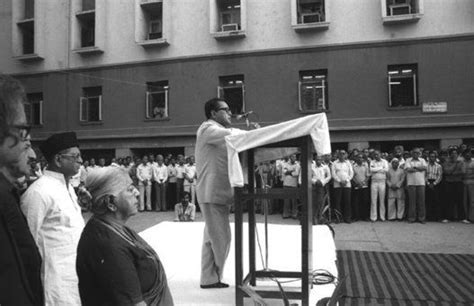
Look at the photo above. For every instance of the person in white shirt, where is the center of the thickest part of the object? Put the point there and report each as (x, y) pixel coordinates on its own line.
(378, 171)
(160, 179)
(291, 172)
(415, 169)
(93, 164)
(190, 176)
(396, 192)
(55, 220)
(320, 176)
(342, 174)
(180, 166)
(144, 176)
(171, 196)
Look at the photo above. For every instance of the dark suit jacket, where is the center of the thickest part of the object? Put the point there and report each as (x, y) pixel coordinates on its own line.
(20, 261)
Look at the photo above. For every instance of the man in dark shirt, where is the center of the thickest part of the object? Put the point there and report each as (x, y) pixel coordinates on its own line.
(20, 261)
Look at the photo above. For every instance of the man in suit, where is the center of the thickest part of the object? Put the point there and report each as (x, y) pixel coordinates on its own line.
(20, 260)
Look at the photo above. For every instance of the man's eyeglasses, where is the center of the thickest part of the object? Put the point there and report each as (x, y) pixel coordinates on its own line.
(225, 109)
(75, 156)
(24, 131)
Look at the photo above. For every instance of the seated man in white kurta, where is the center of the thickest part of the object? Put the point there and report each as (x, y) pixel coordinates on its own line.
(55, 220)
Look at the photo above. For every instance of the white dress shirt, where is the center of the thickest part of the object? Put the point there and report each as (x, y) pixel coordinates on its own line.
(321, 173)
(190, 173)
(342, 171)
(144, 174)
(160, 173)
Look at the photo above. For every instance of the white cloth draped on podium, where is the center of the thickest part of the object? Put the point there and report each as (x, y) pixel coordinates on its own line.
(314, 125)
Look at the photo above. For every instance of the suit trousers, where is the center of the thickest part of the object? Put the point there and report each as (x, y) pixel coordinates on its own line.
(342, 202)
(416, 203)
(452, 206)
(145, 194)
(377, 191)
(179, 189)
(318, 201)
(290, 207)
(433, 209)
(360, 203)
(469, 201)
(216, 242)
(160, 197)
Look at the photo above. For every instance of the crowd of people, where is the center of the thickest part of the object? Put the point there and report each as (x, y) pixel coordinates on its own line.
(162, 181)
(360, 185)
(416, 185)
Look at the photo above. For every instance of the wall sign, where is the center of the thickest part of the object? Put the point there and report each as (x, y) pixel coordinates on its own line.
(435, 107)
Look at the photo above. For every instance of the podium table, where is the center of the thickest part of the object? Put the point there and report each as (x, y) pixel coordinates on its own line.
(247, 285)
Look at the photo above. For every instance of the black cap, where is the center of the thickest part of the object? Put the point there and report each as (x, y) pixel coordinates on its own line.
(58, 142)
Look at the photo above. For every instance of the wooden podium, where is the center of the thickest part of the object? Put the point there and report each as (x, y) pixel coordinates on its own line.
(247, 285)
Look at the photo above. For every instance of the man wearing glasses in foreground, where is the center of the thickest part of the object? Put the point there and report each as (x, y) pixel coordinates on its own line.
(55, 220)
(20, 261)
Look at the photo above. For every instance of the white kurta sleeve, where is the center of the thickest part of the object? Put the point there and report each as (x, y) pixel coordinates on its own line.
(35, 208)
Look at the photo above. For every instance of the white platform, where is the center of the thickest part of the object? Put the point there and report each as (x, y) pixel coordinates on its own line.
(179, 248)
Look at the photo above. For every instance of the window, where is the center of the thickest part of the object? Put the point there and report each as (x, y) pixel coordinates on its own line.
(34, 109)
(228, 18)
(311, 11)
(157, 100)
(90, 107)
(313, 91)
(232, 90)
(402, 85)
(86, 21)
(153, 16)
(396, 11)
(229, 15)
(26, 26)
(150, 25)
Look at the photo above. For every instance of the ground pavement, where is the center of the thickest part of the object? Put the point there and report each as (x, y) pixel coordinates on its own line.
(432, 237)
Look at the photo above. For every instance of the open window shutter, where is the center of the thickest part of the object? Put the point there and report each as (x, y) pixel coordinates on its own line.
(415, 102)
(299, 96)
(40, 110)
(220, 92)
(100, 108)
(166, 103)
(147, 105)
(322, 104)
(389, 80)
(243, 99)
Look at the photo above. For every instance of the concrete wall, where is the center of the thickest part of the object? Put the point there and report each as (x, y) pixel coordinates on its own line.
(357, 82)
(268, 27)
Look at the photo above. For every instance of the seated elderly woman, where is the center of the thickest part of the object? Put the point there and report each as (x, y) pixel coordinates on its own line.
(115, 266)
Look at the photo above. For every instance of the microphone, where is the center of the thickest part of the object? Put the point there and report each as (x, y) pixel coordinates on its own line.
(244, 115)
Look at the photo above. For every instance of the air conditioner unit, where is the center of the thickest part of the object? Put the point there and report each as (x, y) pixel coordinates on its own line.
(230, 27)
(400, 9)
(310, 18)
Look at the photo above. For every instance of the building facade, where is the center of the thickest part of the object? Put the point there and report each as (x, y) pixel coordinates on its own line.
(131, 76)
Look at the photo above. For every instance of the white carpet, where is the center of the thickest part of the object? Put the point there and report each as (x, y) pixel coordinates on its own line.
(179, 248)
